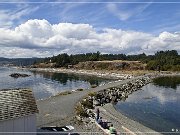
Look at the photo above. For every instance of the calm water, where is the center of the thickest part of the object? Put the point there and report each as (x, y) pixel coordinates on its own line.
(156, 106)
(46, 84)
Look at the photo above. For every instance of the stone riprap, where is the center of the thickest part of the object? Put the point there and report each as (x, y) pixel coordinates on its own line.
(120, 92)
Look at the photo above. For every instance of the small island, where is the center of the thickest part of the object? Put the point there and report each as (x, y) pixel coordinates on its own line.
(17, 75)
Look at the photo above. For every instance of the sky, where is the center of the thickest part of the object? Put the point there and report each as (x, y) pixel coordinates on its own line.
(34, 28)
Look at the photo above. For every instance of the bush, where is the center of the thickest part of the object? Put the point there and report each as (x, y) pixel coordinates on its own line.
(93, 86)
(81, 111)
(92, 94)
(152, 65)
(176, 68)
(87, 104)
(80, 89)
(65, 93)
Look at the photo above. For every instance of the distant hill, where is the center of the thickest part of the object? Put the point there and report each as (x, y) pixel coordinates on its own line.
(19, 61)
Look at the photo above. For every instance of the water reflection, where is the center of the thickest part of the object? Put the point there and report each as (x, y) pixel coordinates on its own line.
(63, 78)
(169, 81)
(46, 84)
(156, 106)
(152, 92)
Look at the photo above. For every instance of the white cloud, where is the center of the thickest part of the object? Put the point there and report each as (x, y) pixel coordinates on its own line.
(161, 94)
(39, 38)
(124, 13)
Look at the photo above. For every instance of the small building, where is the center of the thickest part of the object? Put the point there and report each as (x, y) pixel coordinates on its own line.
(17, 112)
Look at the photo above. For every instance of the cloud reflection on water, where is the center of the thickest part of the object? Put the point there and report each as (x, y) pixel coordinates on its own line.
(152, 92)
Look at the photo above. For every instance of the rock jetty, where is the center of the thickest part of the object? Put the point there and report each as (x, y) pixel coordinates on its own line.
(102, 99)
(109, 95)
(120, 92)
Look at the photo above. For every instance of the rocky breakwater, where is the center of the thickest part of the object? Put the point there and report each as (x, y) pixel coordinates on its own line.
(86, 112)
(121, 92)
(110, 95)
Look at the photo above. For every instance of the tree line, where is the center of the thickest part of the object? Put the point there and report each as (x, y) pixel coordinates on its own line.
(161, 60)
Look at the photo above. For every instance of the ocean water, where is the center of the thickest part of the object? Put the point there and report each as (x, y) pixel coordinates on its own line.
(45, 84)
(156, 105)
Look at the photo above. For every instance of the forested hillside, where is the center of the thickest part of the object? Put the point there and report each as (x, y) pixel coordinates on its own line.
(162, 60)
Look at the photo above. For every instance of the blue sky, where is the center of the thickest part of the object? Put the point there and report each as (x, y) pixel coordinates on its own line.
(150, 23)
(147, 17)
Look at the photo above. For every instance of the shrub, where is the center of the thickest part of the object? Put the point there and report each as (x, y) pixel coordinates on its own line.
(87, 104)
(65, 93)
(80, 89)
(81, 111)
(92, 94)
(93, 86)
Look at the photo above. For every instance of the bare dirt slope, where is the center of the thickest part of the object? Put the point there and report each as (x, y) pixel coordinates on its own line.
(111, 65)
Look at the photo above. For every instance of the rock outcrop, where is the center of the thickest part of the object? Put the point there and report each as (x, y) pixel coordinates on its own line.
(17, 75)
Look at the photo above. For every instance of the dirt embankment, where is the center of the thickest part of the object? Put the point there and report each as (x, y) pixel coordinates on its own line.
(111, 65)
(100, 65)
(43, 65)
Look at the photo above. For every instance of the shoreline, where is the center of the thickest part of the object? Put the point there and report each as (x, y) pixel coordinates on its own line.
(106, 74)
(103, 74)
(117, 118)
(59, 109)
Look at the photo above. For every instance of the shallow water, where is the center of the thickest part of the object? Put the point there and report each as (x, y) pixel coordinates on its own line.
(156, 105)
(46, 84)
